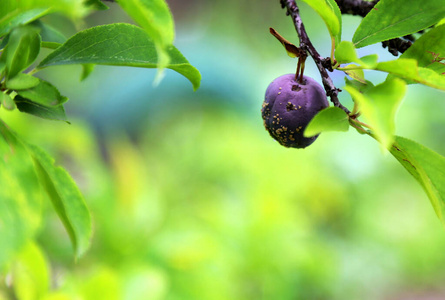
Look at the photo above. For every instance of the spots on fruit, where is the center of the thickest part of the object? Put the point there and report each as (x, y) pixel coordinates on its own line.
(276, 119)
(265, 110)
(296, 87)
(286, 118)
(290, 106)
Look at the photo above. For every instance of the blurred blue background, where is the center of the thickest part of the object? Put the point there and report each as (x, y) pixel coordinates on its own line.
(192, 199)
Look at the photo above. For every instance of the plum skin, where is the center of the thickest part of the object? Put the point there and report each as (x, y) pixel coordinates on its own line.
(288, 108)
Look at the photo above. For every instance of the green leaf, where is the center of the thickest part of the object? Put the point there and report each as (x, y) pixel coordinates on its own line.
(390, 19)
(369, 61)
(333, 4)
(119, 45)
(96, 4)
(22, 49)
(86, 71)
(356, 74)
(379, 105)
(331, 15)
(30, 273)
(408, 69)
(16, 16)
(4, 42)
(431, 78)
(404, 68)
(328, 119)
(22, 82)
(66, 199)
(49, 33)
(44, 94)
(6, 101)
(14, 13)
(428, 50)
(2, 67)
(20, 196)
(155, 18)
(345, 53)
(358, 85)
(50, 45)
(41, 111)
(427, 167)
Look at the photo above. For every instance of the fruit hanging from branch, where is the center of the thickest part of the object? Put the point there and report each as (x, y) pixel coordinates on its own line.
(292, 101)
(290, 104)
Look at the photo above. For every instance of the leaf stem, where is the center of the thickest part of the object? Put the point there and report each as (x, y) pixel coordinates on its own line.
(360, 123)
(358, 127)
(332, 50)
(33, 71)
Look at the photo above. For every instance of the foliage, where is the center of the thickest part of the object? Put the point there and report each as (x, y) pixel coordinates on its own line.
(423, 63)
(119, 45)
(182, 255)
(28, 170)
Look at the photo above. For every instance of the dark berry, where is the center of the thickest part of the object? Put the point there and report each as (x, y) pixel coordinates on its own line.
(288, 108)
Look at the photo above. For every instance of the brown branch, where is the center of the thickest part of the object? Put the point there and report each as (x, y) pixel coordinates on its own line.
(306, 45)
(356, 7)
(397, 45)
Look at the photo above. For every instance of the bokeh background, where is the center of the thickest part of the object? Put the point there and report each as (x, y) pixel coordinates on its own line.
(192, 199)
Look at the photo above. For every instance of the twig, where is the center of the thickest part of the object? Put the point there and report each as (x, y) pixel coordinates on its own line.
(397, 45)
(306, 45)
(356, 7)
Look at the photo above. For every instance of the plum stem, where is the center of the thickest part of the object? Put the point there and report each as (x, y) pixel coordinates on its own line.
(307, 47)
(297, 73)
(302, 71)
(300, 67)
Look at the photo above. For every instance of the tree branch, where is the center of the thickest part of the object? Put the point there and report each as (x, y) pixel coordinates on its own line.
(397, 45)
(356, 7)
(306, 45)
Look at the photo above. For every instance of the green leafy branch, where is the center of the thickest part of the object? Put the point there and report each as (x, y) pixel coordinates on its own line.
(27, 168)
(422, 62)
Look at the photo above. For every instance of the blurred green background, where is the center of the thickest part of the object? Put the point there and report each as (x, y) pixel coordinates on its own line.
(192, 199)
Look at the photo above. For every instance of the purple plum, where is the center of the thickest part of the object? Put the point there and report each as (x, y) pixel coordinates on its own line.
(289, 106)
